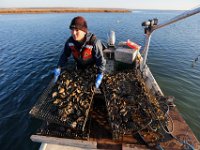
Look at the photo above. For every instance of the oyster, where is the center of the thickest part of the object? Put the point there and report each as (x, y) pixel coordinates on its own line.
(72, 94)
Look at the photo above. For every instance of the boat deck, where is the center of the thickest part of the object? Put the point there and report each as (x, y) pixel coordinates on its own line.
(100, 136)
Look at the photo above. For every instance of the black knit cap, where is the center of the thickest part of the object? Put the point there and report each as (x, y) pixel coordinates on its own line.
(79, 23)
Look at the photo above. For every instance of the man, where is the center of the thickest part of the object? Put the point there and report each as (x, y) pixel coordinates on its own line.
(85, 48)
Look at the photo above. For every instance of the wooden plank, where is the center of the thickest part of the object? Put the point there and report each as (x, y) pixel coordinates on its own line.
(63, 147)
(62, 141)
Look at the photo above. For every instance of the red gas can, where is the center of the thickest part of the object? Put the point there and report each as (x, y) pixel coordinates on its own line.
(133, 45)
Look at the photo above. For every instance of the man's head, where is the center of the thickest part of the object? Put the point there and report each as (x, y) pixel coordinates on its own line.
(78, 28)
(79, 23)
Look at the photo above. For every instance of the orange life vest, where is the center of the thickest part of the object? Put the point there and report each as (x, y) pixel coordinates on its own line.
(85, 54)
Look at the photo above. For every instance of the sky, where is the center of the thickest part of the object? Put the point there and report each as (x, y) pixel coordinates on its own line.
(129, 4)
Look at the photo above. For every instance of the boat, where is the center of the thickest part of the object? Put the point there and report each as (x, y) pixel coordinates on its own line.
(99, 135)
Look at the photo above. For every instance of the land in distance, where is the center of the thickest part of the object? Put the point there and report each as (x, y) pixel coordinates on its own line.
(60, 10)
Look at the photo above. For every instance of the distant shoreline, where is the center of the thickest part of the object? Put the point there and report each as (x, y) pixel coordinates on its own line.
(59, 10)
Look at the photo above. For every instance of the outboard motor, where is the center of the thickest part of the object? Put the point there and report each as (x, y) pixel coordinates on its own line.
(111, 39)
(109, 53)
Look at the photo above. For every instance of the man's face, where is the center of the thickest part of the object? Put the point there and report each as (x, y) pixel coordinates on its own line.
(78, 35)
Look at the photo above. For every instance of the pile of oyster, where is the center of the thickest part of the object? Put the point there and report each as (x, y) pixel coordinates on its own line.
(131, 107)
(72, 96)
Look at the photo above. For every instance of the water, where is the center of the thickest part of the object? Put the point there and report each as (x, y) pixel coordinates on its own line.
(30, 45)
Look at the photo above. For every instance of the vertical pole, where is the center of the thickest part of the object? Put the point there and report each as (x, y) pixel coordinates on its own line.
(146, 50)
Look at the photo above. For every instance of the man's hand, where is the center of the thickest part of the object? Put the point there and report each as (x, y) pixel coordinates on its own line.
(56, 72)
(98, 80)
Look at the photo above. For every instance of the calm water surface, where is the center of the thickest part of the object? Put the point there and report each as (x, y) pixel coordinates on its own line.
(30, 45)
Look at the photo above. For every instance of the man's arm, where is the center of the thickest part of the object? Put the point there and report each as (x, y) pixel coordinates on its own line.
(98, 56)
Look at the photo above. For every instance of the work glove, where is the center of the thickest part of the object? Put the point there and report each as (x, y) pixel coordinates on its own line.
(98, 80)
(56, 72)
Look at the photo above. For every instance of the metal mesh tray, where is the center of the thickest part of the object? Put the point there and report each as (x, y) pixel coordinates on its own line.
(45, 108)
(128, 103)
(55, 130)
(97, 125)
